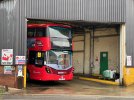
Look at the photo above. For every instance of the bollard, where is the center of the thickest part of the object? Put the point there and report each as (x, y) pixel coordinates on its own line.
(20, 82)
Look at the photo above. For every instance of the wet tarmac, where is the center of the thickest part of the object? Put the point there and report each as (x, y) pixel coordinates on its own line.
(75, 87)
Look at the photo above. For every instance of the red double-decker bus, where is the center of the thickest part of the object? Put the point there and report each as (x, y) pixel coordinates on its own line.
(49, 49)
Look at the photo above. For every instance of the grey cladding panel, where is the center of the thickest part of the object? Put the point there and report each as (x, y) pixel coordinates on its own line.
(130, 29)
(88, 10)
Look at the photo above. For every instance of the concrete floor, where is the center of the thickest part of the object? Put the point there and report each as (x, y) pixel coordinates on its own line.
(75, 87)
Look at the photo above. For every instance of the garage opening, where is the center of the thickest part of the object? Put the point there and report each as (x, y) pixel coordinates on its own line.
(97, 52)
(96, 49)
(49, 50)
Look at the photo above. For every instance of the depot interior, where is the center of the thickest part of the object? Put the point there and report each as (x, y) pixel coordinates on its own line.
(96, 48)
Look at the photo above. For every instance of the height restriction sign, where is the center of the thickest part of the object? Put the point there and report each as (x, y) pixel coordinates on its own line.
(20, 60)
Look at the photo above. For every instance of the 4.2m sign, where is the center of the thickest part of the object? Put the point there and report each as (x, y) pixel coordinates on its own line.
(20, 60)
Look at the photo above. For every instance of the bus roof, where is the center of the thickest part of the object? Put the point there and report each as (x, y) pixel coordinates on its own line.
(47, 25)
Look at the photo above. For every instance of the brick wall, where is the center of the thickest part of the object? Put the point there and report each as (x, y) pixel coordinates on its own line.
(8, 79)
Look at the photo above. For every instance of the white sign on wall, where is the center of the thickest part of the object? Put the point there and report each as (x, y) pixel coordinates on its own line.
(20, 60)
(129, 60)
(7, 69)
(7, 57)
(20, 70)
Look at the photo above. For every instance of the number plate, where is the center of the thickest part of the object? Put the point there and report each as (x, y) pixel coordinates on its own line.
(62, 78)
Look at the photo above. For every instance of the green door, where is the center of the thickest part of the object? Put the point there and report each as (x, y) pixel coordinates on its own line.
(103, 62)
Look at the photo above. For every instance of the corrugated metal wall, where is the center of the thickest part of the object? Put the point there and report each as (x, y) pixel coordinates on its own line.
(10, 35)
(130, 28)
(13, 14)
(89, 10)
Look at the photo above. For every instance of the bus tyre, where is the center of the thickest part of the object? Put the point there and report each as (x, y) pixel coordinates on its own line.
(28, 76)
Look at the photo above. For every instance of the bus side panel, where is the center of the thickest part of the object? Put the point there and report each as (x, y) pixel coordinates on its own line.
(41, 44)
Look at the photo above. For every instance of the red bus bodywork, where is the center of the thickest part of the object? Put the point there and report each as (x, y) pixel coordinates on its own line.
(46, 72)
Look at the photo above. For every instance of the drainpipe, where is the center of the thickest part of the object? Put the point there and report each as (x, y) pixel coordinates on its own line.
(91, 50)
(84, 52)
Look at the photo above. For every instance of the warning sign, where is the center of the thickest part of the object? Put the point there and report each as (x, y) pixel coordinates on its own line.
(7, 70)
(7, 57)
(129, 60)
(20, 60)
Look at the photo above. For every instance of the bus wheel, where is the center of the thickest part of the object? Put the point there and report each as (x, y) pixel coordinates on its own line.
(28, 76)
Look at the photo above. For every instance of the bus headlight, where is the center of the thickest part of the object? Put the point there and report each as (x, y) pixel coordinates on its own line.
(48, 70)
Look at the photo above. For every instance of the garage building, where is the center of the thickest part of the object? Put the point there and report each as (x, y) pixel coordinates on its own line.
(100, 26)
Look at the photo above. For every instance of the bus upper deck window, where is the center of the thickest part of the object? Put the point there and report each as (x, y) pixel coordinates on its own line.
(31, 32)
(40, 32)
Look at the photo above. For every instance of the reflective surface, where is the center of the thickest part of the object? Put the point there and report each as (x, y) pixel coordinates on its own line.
(75, 87)
(60, 37)
(61, 58)
(59, 32)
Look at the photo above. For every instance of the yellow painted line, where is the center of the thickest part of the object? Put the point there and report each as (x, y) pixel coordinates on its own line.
(96, 75)
(99, 81)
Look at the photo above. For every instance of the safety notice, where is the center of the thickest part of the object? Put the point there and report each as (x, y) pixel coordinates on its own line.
(7, 57)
